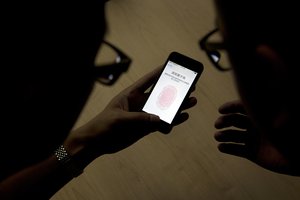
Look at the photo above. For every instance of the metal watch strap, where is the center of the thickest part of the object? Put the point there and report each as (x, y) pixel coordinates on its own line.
(66, 161)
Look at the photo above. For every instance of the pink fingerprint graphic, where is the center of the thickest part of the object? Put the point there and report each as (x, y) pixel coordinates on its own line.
(166, 97)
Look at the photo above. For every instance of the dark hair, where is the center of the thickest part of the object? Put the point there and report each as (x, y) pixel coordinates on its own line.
(270, 22)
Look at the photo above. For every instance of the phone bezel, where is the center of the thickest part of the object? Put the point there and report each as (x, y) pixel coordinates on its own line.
(186, 62)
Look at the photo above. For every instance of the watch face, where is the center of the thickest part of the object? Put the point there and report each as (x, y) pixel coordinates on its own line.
(67, 162)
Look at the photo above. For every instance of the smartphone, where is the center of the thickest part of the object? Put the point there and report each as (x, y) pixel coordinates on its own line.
(180, 73)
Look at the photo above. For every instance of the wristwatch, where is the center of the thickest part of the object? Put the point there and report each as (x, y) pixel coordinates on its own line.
(67, 162)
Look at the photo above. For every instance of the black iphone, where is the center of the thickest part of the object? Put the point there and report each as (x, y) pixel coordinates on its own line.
(180, 73)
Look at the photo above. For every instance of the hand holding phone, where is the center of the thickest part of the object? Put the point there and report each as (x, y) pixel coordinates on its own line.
(179, 75)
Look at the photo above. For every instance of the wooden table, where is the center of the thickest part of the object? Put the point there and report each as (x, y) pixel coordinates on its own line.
(184, 164)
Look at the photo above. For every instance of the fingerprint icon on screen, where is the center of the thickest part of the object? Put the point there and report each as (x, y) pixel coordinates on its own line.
(166, 97)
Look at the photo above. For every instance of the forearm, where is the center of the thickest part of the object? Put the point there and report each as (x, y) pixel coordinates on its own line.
(40, 181)
(44, 179)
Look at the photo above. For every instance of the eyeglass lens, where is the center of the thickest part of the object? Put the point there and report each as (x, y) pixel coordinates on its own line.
(217, 52)
(110, 63)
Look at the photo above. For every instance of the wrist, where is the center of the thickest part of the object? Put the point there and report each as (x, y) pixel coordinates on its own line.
(67, 162)
(82, 148)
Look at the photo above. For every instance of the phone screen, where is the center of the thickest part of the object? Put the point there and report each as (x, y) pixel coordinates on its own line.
(170, 91)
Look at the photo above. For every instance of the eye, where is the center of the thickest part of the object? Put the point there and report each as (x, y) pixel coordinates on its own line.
(215, 55)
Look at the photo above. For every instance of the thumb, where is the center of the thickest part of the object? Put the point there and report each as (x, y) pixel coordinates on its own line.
(143, 120)
(143, 117)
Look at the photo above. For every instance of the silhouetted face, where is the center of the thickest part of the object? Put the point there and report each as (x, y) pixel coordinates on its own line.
(252, 74)
(263, 46)
(50, 48)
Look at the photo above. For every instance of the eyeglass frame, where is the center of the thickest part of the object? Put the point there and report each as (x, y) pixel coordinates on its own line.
(211, 48)
(114, 70)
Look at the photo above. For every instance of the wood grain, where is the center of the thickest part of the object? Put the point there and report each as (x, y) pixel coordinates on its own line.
(184, 164)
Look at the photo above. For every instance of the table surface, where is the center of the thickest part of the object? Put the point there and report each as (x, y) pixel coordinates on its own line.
(184, 164)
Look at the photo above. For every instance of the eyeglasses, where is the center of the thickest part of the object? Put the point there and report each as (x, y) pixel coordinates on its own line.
(113, 62)
(215, 49)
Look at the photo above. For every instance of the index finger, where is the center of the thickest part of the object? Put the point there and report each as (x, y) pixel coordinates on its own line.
(235, 106)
